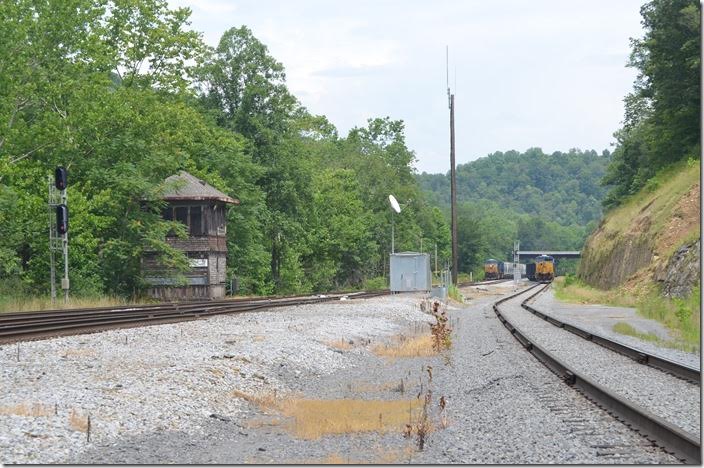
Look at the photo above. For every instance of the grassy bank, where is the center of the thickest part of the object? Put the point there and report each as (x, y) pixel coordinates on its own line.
(681, 316)
(24, 303)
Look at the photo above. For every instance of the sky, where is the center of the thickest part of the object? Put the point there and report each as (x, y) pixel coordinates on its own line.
(539, 73)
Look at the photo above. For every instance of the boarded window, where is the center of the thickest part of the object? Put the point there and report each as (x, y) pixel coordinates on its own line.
(182, 214)
(196, 221)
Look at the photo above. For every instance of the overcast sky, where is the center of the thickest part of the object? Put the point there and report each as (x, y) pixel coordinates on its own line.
(539, 73)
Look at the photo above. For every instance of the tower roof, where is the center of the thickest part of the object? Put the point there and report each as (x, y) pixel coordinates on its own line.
(190, 187)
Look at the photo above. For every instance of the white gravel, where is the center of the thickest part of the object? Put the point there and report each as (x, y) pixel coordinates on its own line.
(664, 395)
(172, 377)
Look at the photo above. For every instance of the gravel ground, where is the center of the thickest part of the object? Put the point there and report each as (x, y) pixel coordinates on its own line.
(163, 394)
(506, 407)
(148, 380)
(600, 319)
(666, 396)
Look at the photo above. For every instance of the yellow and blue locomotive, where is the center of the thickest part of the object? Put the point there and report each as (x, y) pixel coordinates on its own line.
(544, 268)
(491, 269)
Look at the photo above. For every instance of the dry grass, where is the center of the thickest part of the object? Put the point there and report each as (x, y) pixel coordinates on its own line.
(267, 401)
(316, 418)
(28, 410)
(341, 344)
(78, 421)
(312, 419)
(24, 304)
(403, 346)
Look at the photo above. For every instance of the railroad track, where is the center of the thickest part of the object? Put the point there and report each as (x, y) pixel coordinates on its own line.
(681, 443)
(679, 370)
(479, 283)
(23, 326)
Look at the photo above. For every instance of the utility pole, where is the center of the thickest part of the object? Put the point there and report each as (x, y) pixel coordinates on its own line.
(453, 178)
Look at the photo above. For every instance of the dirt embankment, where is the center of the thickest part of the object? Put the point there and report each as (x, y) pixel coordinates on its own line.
(653, 237)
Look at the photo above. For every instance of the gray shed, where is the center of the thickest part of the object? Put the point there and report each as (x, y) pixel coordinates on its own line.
(410, 271)
(202, 208)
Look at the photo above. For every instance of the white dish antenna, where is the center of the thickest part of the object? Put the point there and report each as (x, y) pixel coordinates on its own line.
(394, 204)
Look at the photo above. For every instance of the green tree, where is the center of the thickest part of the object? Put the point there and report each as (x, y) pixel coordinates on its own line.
(662, 115)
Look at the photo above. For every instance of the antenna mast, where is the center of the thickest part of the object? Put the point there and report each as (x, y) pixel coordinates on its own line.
(453, 177)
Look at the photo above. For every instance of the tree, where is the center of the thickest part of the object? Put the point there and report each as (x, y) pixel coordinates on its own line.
(662, 114)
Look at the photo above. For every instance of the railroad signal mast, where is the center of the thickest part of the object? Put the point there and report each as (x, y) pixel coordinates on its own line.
(516, 263)
(58, 228)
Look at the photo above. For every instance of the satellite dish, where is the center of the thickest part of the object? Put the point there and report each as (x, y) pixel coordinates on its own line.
(394, 204)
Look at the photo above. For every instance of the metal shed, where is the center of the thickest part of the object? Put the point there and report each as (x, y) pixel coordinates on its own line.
(202, 208)
(410, 271)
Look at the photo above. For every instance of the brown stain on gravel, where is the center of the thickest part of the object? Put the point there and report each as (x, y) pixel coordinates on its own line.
(312, 418)
(78, 421)
(28, 410)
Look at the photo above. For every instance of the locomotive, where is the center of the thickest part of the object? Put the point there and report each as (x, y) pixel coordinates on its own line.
(491, 269)
(542, 270)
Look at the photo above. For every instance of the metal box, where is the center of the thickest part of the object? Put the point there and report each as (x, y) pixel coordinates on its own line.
(409, 271)
(439, 291)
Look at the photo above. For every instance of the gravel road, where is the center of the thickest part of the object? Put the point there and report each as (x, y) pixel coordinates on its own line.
(600, 319)
(673, 399)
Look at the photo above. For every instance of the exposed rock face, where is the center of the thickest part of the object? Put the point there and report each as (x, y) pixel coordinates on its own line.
(610, 264)
(632, 248)
(682, 272)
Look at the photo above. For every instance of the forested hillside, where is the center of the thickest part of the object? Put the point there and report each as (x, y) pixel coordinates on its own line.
(124, 95)
(646, 251)
(547, 201)
(653, 203)
(662, 114)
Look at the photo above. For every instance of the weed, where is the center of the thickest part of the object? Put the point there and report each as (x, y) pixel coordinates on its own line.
(341, 344)
(453, 292)
(440, 330)
(403, 346)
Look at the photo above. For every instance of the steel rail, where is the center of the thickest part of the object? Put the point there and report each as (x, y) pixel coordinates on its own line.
(679, 370)
(681, 443)
(165, 305)
(59, 324)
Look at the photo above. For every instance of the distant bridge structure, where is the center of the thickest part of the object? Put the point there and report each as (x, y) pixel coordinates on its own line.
(555, 253)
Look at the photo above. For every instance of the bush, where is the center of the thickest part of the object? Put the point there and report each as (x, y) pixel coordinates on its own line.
(570, 279)
(374, 284)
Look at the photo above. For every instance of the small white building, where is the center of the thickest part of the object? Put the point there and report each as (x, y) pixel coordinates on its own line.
(410, 271)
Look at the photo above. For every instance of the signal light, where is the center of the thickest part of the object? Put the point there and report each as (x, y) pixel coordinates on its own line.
(62, 219)
(61, 178)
